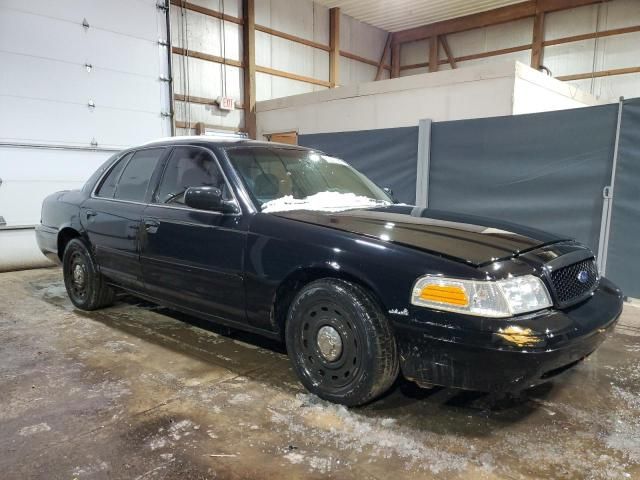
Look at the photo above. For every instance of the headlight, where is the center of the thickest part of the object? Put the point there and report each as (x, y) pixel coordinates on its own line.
(501, 298)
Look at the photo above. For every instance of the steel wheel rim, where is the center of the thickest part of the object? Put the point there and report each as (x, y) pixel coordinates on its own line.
(78, 277)
(338, 370)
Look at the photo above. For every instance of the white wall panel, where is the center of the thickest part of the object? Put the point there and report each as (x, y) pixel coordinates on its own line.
(203, 33)
(569, 58)
(567, 23)
(611, 88)
(44, 37)
(292, 57)
(201, 78)
(393, 103)
(212, 115)
(475, 92)
(47, 121)
(45, 89)
(414, 52)
(49, 171)
(622, 13)
(231, 7)
(523, 56)
(204, 79)
(21, 78)
(620, 51)
(605, 53)
(118, 16)
(353, 72)
(472, 42)
(360, 39)
(303, 19)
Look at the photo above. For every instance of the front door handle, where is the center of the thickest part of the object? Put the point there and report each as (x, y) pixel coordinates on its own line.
(151, 226)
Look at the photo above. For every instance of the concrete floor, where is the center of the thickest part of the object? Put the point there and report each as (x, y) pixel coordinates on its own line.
(136, 391)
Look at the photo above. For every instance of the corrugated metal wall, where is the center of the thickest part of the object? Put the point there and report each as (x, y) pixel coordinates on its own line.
(606, 53)
(302, 18)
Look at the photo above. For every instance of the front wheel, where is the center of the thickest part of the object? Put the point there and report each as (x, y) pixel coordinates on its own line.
(340, 342)
(84, 283)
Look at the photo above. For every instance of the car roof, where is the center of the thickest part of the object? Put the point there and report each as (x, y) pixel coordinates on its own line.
(221, 141)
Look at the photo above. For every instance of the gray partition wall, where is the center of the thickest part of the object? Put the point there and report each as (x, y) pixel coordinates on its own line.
(623, 260)
(387, 156)
(545, 170)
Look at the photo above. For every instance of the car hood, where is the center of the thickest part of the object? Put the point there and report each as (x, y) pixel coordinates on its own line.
(470, 239)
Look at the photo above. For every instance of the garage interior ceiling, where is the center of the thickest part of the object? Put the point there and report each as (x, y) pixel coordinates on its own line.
(402, 14)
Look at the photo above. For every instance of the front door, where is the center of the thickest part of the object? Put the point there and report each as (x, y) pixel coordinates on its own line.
(191, 257)
(112, 216)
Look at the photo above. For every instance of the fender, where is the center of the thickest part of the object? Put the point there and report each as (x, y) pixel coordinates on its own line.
(278, 253)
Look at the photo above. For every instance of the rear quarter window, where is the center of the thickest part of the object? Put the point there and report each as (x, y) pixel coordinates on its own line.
(108, 186)
(136, 175)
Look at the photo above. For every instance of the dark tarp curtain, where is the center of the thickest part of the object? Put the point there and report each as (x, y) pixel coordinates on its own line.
(387, 156)
(545, 170)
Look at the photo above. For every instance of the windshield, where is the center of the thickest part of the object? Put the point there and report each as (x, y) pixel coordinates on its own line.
(290, 179)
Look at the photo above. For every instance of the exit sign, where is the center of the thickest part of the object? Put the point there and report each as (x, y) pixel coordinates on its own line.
(226, 103)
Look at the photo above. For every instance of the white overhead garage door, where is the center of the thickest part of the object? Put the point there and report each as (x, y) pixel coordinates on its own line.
(79, 80)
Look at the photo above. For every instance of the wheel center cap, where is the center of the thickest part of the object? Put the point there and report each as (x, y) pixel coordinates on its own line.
(78, 275)
(329, 343)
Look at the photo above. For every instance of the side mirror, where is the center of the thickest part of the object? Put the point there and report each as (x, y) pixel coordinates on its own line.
(389, 192)
(208, 198)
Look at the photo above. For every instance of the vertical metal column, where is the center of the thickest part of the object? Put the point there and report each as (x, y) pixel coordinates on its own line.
(422, 170)
(170, 67)
(607, 204)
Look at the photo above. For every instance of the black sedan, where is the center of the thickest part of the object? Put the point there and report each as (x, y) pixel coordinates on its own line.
(297, 245)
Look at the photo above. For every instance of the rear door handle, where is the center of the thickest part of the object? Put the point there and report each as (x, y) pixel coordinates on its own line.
(90, 214)
(151, 226)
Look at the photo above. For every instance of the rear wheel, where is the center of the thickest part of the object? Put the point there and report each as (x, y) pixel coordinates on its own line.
(341, 343)
(85, 285)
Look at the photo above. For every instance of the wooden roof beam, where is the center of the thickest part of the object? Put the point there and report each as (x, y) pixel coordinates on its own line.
(496, 16)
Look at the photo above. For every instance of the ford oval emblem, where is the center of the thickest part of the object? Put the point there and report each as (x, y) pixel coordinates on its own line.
(583, 276)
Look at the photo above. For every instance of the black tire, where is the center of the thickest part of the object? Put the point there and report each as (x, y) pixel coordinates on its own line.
(84, 283)
(355, 368)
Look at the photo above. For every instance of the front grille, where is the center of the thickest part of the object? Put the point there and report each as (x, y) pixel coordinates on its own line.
(571, 283)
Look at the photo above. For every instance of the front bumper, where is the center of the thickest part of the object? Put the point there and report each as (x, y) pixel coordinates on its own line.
(504, 354)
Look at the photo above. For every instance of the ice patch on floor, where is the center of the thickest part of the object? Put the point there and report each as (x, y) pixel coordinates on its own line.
(157, 443)
(119, 346)
(355, 432)
(180, 429)
(294, 457)
(240, 398)
(90, 470)
(38, 428)
(625, 429)
(109, 389)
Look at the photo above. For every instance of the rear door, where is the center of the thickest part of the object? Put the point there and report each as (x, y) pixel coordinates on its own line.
(112, 216)
(194, 257)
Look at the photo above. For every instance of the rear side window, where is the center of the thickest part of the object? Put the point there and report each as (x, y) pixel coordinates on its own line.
(136, 175)
(108, 186)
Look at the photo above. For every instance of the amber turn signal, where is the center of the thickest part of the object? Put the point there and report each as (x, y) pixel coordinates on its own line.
(449, 294)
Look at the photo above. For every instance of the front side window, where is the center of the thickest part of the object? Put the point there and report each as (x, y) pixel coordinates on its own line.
(108, 186)
(291, 179)
(189, 167)
(135, 177)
